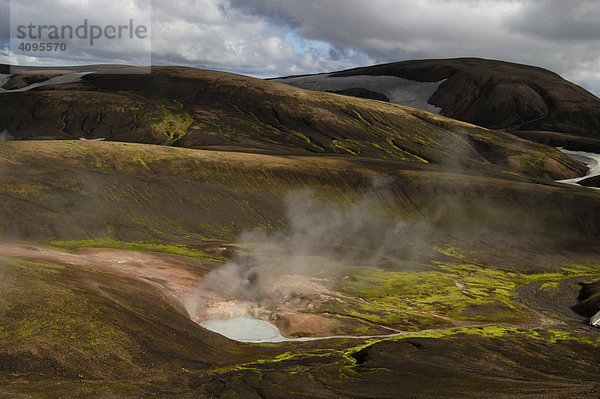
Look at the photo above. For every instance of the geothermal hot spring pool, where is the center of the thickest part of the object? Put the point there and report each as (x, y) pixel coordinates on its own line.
(245, 329)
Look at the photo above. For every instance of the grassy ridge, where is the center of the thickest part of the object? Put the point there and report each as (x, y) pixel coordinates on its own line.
(134, 193)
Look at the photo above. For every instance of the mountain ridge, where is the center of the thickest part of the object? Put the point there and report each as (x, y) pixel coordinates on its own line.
(194, 108)
(501, 95)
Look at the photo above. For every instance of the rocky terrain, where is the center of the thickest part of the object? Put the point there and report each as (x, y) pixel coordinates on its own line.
(399, 252)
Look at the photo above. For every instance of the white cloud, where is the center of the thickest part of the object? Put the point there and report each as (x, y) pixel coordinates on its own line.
(554, 34)
(37, 19)
(566, 21)
(281, 37)
(229, 38)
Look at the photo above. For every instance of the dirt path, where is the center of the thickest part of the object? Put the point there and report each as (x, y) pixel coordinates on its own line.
(554, 310)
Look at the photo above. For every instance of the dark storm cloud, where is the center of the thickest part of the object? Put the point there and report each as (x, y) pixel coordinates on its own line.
(383, 25)
(40, 19)
(555, 34)
(276, 11)
(559, 19)
(4, 20)
(4, 31)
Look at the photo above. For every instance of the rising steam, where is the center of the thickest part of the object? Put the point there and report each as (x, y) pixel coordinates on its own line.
(6, 136)
(321, 238)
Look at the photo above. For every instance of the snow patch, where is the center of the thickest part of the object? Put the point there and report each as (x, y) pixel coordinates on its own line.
(400, 91)
(595, 320)
(67, 78)
(4, 78)
(592, 160)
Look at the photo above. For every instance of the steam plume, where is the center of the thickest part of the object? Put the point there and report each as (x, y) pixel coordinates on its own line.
(6, 136)
(322, 236)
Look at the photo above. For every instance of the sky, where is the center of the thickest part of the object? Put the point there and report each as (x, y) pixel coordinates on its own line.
(268, 38)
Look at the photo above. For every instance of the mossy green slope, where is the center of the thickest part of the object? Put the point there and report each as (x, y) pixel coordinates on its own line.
(72, 190)
(79, 323)
(490, 234)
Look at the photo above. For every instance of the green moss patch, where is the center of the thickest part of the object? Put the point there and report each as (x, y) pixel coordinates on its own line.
(439, 293)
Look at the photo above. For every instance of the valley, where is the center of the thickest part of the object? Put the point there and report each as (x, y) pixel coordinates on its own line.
(385, 250)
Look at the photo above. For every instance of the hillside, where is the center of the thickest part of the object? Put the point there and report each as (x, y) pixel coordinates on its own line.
(468, 243)
(68, 190)
(529, 101)
(204, 109)
(393, 248)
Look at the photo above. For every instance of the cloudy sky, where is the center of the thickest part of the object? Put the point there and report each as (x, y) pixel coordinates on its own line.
(268, 38)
